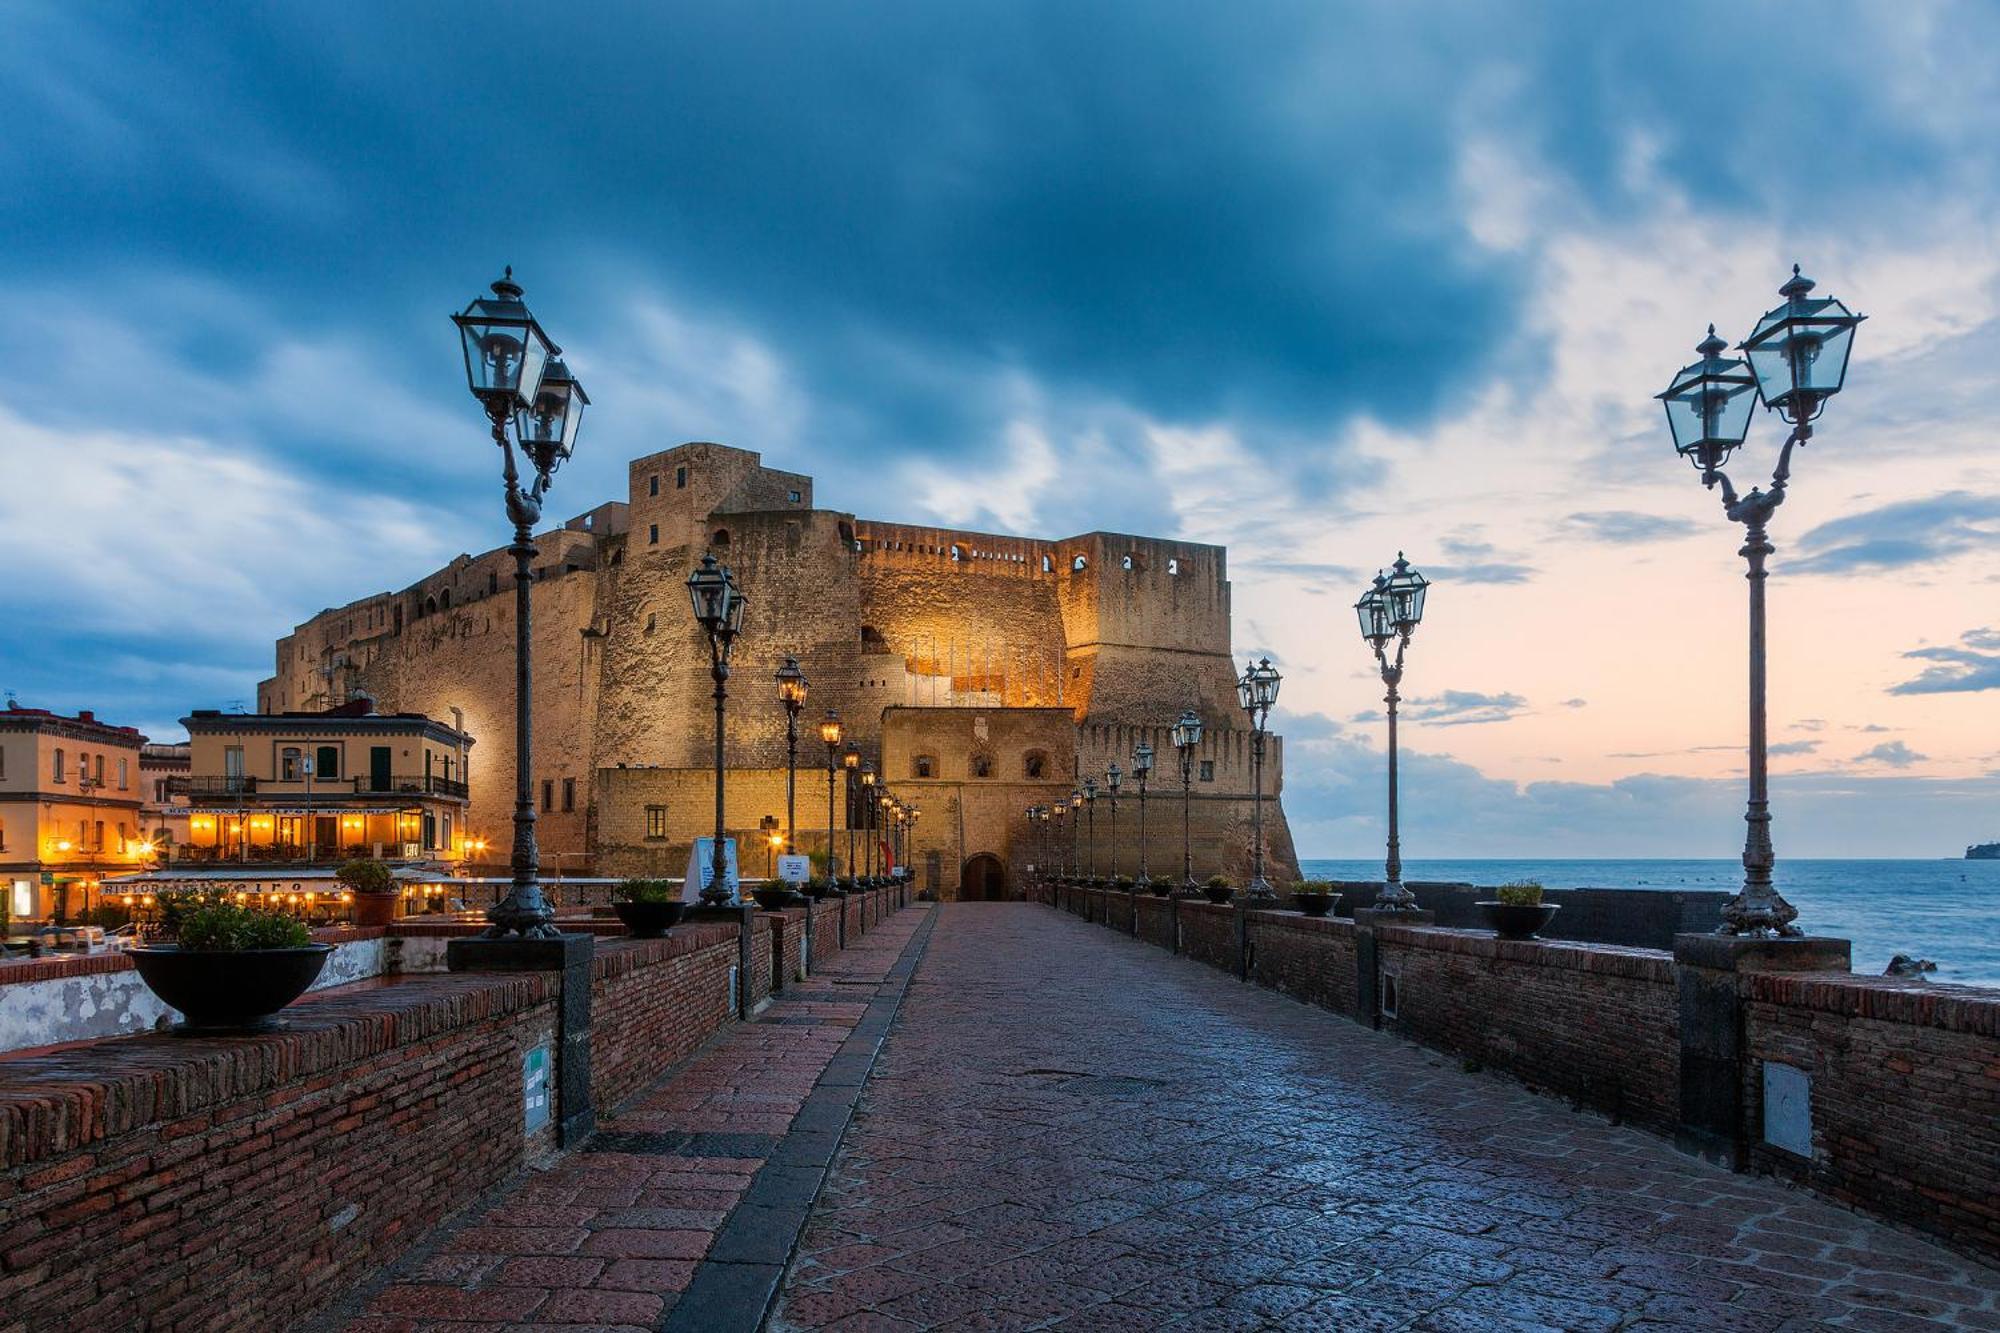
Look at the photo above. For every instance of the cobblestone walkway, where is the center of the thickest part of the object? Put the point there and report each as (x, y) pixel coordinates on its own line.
(1070, 1130)
(612, 1237)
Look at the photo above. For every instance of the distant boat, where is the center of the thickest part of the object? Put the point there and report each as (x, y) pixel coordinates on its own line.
(1983, 851)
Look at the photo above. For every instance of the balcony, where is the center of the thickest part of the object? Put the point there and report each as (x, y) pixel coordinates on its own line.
(211, 787)
(331, 790)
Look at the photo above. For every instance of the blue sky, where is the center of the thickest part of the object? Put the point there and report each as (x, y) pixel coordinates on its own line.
(1320, 281)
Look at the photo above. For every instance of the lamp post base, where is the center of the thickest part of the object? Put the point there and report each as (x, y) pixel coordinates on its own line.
(1260, 889)
(1395, 897)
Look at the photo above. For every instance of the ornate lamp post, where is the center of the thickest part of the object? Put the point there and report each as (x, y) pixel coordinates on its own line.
(868, 818)
(1142, 768)
(1392, 609)
(910, 818)
(792, 691)
(1059, 812)
(1257, 691)
(518, 376)
(829, 733)
(1797, 359)
(718, 609)
(1187, 735)
(850, 764)
(1090, 813)
(1075, 806)
(1114, 777)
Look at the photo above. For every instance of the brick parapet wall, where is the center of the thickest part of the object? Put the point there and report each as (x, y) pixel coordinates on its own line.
(1905, 1096)
(248, 1182)
(1904, 1076)
(1156, 920)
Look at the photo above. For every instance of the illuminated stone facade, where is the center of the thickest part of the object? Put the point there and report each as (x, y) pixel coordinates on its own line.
(1075, 648)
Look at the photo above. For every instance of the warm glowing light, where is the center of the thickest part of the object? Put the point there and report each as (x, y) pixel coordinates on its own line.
(64, 844)
(148, 900)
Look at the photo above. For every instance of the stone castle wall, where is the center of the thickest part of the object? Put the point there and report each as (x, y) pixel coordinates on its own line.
(1116, 630)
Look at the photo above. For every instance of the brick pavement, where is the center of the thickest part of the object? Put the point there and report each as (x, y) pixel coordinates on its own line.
(613, 1236)
(1069, 1130)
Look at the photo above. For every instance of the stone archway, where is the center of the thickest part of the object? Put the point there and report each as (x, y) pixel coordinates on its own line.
(983, 878)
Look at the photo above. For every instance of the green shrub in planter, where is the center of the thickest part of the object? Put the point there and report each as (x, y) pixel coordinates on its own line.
(366, 877)
(1122, 883)
(227, 928)
(1219, 888)
(1521, 893)
(647, 891)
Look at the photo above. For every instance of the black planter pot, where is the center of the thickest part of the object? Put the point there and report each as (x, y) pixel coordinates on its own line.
(1518, 921)
(818, 891)
(773, 900)
(1313, 904)
(1217, 894)
(1160, 888)
(229, 992)
(649, 921)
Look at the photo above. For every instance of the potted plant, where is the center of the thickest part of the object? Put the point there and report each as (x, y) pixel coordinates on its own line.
(374, 890)
(1219, 889)
(1158, 887)
(1123, 883)
(1314, 897)
(818, 887)
(843, 886)
(773, 896)
(650, 908)
(1517, 911)
(231, 968)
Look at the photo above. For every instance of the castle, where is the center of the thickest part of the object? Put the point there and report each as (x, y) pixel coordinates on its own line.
(981, 674)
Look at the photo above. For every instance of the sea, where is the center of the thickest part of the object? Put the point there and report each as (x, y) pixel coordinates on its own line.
(1945, 911)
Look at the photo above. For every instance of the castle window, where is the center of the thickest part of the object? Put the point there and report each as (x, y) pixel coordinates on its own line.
(656, 821)
(1173, 565)
(924, 767)
(794, 496)
(680, 478)
(548, 795)
(1079, 563)
(1208, 770)
(651, 620)
(956, 554)
(721, 537)
(872, 638)
(1048, 565)
(430, 606)
(1034, 765)
(1125, 563)
(982, 766)
(569, 794)
(653, 484)
(652, 534)
(444, 599)
(492, 582)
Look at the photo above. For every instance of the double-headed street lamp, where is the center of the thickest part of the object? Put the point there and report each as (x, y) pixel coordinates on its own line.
(1392, 609)
(718, 609)
(792, 690)
(1187, 735)
(1142, 768)
(1075, 807)
(1090, 814)
(519, 377)
(1059, 811)
(1797, 359)
(850, 765)
(868, 818)
(1256, 691)
(829, 733)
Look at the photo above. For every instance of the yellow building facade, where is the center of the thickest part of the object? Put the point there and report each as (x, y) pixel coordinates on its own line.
(69, 811)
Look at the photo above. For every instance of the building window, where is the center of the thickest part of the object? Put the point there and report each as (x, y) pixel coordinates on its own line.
(288, 764)
(1173, 565)
(548, 795)
(925, 767)
(124, 775)
(680, 478)
(1208, 770)
(56, 773)
(652, 534)
(492, 582)
(982, 766)
(569, 794)
(1034, 765)
(794, 496)
(326, 764)
(656, 821)
(1078, 563)
(653, 484)
(1048, 565)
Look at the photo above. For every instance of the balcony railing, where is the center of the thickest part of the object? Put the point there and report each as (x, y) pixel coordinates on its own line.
(212, 788)
(238, 785)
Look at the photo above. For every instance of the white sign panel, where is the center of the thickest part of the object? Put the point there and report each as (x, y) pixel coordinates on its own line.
(701, 870)
(795, 869)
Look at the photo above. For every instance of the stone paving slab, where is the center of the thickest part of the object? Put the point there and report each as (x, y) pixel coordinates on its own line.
(1070, 1130)
(683, 1209)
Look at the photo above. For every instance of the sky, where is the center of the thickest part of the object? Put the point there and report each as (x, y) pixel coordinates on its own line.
(1319, 281)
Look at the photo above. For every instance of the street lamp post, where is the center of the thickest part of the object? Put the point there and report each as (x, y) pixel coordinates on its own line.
(518, 376)
(829, 732)
(1090, 814)
(1142, 768)
(868, 819)
(1076, 833)
(1060, 810)
(1392, 609)
(718, 609)
(850, 764)
(1187, 735)
(792, 690)
(1256, 692)
(1114, 777)
(1796, 360)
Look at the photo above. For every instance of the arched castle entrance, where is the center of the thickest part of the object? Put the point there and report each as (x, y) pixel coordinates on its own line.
(983, 879)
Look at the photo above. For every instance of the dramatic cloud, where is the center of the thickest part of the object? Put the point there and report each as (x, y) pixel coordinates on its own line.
(1894, 754)
(1794, 747)
(1976, 666)
(1628, 527)
(1459, 708)
(1898, 535)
